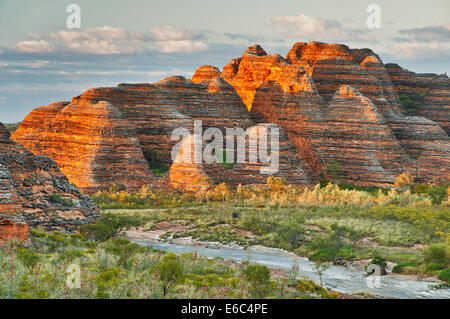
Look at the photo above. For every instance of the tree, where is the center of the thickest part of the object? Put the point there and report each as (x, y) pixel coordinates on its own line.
(293, 273)
(222, 191)
(260, 276)
(170, 272)
(404, 180)
(320, 267)
(333, 171)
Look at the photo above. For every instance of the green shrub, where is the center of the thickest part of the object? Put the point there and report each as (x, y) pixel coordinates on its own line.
(324, 254)
(56, 198)
(433, 267)
(437, 254)
(28, 257)
(399, 268)
(123, 249)
(290, 232)
(445, 275)
(259, 276)
(98, 231)
(379, 260)
(436, 193)
(158, 170)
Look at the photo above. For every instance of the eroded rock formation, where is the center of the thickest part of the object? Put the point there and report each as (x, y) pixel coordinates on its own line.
(187, 174)
(396, 142)
(94, 146)
(34, 192)
(331, 103)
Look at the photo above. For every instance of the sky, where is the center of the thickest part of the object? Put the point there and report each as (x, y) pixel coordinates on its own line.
(43, 61)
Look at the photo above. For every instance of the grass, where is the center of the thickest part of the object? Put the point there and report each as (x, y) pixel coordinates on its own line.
(116, 268)
(158, 170)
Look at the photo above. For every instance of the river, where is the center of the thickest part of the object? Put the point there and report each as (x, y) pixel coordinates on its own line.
(347, 280)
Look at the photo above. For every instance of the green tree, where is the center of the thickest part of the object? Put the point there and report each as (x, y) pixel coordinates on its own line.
(320, 267)
(170, 272)
(334, 171)
(260, 276)
(28, 257)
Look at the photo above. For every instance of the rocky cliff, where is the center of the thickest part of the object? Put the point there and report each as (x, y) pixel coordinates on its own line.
(34, 192)
(372, 152)
(94, 146)
(331, 104)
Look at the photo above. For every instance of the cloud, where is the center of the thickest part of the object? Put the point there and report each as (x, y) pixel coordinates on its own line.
(417, 43)
(420, 49)
(426, 34)
(101, 40)
(33, 46)
(170, 40)
(181, 46)
(314, 28)
(108, 40)
(169, 33)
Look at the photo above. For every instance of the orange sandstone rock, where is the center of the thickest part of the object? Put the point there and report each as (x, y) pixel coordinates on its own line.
(34, 192)
(94, 146)
(205, 73)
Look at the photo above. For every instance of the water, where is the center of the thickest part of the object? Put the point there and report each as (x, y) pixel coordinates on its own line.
(338, 278)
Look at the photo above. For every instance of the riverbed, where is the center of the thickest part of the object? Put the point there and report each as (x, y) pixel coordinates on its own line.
(347, 280)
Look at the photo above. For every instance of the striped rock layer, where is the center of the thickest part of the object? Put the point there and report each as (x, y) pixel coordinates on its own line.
(366, 131)
(34, 192)
(94, 146)
(331, 104)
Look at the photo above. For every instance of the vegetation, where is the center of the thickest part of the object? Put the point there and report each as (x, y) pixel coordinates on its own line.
(57, 198)
(158, 170)
(116, 268)
(260, 276)
(170, 272)
(12, 127)
(412, 101)
(332, 223)
(407, 225)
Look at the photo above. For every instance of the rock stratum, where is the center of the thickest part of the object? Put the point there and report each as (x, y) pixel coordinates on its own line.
(34, 192)
(330, 104)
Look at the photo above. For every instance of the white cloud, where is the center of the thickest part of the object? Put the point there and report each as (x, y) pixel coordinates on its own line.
(181, 46)
(169, 40)
(321, 29)
(414, 50)
(110, 40)
(96, 46)
(416, 43)
(169, 33)
(100, 40)
(33, 46)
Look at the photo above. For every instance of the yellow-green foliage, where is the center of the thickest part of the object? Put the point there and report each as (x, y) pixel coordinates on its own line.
(403, 180)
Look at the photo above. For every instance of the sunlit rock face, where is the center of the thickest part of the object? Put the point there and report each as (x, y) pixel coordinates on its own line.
(255, 67)
(34, 192)
(305, 112)
(331, 103)
(94, 146)
(205, 73)
(187, 174)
